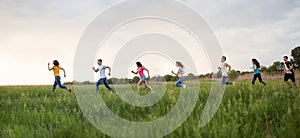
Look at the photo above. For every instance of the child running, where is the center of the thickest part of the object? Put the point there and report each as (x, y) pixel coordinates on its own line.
(289, 72)
(225, 68)
(143, 78)
(56, 68)
(101, 68)
(255, 67)
(180, 72)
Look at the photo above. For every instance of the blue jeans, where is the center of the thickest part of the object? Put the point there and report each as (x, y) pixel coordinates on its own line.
(57, 82)
(224, 81)
(179, 82)
(258, 75)
(105, 83)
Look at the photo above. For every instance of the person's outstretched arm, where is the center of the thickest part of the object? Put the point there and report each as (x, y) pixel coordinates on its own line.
(109, 70)
(49, 67)
(134, 72)
(291, 67)
(229, 68)
(147, 72)
(254, 67)
(96, 70)
(176, 74)
(64, 72)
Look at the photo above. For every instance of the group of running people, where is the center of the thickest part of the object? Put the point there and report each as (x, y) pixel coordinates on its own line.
(225, 69)
(289, 73)
(101, 68)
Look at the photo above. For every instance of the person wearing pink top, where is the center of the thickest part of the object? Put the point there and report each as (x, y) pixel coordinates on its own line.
(143, 78)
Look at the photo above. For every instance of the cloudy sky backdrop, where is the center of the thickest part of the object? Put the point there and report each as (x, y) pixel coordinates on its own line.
(33, 33)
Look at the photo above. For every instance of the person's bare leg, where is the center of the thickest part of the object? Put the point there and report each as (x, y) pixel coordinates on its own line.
(288, 83)
(147, 86)
(139, 85)
(295, 84)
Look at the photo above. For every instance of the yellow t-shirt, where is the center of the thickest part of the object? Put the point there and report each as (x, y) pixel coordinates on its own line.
(56, 70)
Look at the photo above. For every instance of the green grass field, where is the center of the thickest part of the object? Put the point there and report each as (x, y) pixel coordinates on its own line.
(246, 111)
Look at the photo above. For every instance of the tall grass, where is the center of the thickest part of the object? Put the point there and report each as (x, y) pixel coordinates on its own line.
(246, 111)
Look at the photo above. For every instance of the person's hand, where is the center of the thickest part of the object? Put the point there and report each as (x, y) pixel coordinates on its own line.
(48, 63)
(109, 74)
(132, 71)
(172, 72)
(93, 68)
(65, 75)
(149, 76)
(219, 68)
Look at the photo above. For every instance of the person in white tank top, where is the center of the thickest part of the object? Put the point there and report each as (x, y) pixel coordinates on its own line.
(225, 68)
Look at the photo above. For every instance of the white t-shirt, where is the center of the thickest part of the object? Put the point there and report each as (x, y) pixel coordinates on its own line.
(224, 69)
(102, 71)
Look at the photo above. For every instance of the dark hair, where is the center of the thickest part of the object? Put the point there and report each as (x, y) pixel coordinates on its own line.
(224, 58)
(139, 64)
(55, 63)
(100, 60)
(256, 63)
(286, 57)
(180, 64)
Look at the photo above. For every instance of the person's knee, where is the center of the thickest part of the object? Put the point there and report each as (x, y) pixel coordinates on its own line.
(108, 87)
(61, 86)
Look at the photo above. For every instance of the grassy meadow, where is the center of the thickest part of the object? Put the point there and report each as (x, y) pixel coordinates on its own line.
(246, 111)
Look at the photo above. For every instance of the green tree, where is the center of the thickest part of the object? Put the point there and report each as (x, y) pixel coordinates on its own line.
(191, 76)
(296, 57)
(202, 76)
(219, 74)
(234, 74)
(263, 69)
(135, 79)
(168, 77)
(277, 67)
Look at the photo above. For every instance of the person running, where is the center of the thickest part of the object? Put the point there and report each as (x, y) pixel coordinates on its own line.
(143, 78)
(180, 72)
(101, 68)
(56, 69)
(255, 67)
(225, 68)
(288, 72)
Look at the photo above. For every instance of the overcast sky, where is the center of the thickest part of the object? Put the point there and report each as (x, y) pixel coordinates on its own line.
(33, 33)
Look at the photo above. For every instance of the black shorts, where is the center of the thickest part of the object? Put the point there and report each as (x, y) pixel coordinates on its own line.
(289, 76)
